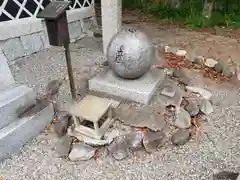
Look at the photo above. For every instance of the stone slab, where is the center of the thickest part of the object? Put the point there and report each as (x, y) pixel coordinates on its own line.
(32, 43)
(12, 48)
(75, 30)
(140, 90)
(18, 133)
(11, 100)
(6, 78)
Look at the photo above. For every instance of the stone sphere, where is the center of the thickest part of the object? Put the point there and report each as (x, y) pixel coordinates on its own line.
(130, 53)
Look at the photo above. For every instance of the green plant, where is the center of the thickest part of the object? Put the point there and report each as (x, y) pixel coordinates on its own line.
(225, 12)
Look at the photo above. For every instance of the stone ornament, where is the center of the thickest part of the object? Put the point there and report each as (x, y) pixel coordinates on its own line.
(130, 53)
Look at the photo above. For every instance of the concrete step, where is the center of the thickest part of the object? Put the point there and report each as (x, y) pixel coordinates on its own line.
(12, 100)
(16, 134)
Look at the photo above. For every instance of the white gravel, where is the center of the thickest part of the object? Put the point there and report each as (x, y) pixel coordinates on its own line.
(219, 147)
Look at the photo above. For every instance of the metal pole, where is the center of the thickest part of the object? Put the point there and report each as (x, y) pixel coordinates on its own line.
(70, 71)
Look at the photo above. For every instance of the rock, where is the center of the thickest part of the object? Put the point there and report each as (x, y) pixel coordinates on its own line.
(237, 73)
(97, 34)
(229, 71)
(166, 48)
(206, 107)
(63, 146)
(181, 53)
(210, 62)
(203, 92)
(183, 119)
(192, 109)
(118, 149)
(141, 117)
(153, 140)
(183, 77)
(170, 49)
(218, 67)
(180, 137)
(53, 87)
(226, 175)
(81, 152)
(168, 91)
(154, 121)
(168, 71)
(176, 100)
(199, 60)
(61, 125)
(205, 118)
(134, 140)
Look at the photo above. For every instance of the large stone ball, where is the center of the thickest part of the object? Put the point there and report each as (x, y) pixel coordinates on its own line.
(130, 53)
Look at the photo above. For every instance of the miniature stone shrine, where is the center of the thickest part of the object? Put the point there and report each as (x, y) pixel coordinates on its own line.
(92, 116)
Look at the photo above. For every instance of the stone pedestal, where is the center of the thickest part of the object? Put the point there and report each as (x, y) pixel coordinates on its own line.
(6, 78)
(15, 131)
(111, 20)
(139, 90)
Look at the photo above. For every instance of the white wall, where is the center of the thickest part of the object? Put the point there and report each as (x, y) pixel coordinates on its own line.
(23, 37)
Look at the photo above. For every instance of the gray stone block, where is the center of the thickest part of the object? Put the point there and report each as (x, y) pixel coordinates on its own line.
(139, 90)
(75, 30)
(18, 133)
(6, 78)
(44, 38)
(88, 24)
(32, 43)
(12, 48)
(11, 100)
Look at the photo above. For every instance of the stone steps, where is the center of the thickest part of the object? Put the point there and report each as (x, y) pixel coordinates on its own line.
(12, 100)
(18, 133)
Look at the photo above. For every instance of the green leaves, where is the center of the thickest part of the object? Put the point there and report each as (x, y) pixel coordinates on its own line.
(225, 12)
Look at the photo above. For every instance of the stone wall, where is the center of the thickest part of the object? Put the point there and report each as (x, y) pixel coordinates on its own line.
(23, 37)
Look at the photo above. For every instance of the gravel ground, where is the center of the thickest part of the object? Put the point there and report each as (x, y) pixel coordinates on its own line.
(219, 146)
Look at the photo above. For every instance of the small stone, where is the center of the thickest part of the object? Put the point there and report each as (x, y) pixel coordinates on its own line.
(176, 100)
(180, 137)
(118, 149)
(206, 107)
(183, 119)
(63, 146)
(168, 71)
(210, 62)
(192, 109)
(81, 152)
(97, 34)
(228, 71)
(203, 92)
(183, 77)
(153, 140)
(237, 73)
(170, 50)
(134, 140)
(53, 88)
(218, 67)
(199, 60)
(226, 175)
(166, 48)
(61, 125)
(181, 53)
(205, 118)
(168, 91)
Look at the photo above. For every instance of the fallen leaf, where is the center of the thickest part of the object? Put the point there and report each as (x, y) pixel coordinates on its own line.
(96, 155)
